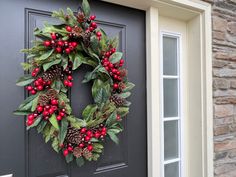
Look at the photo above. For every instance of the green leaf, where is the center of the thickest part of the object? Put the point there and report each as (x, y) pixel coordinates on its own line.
(122, 111)
(25, 80)
(77, 61)
(63, 130)
(125, 95)
(115, 57)
(89, 76)
(113, 137)
(46, 66)
(69, 157)
(26, 66)
(46, 55)
(54, 121)
(75, 122)
(57, 85)
(21, 113)
(114, 42)
(34, 104)
(129, 86)
(97, 84)
(80, 161)
(55, 144)
(41, 126)
(68, 109)
(27, 103)
(111, 119)
(63, 97)
(95, 156)
(86, 8)
(88, 112)
(36, 122)
(101, 96)
(64, 62)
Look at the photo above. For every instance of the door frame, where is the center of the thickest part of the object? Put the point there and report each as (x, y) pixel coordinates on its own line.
(197, 15)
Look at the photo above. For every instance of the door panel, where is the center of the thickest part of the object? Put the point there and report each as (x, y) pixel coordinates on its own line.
(32, 157)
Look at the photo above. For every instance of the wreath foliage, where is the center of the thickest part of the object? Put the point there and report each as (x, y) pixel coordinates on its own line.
(56, 53)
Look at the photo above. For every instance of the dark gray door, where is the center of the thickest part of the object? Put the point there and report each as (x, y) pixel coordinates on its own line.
(24, 154)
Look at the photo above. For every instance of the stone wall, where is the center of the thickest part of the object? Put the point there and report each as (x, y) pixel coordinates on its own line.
(224, 86)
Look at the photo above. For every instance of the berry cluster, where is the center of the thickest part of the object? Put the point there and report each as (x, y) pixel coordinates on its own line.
(60, 45)
(39, 85)
(68, 72)
(86, 135)
(46, 112)
(113, 69)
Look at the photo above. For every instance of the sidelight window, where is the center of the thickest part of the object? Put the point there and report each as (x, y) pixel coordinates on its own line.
(171, 117)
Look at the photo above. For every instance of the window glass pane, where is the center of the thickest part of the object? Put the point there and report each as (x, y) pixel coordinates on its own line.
(172, 170)
(169, 55)
(170, 89)
(171, 146)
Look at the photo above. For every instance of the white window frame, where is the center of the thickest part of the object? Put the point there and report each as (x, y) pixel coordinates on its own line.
(198, 16)
(180, 116)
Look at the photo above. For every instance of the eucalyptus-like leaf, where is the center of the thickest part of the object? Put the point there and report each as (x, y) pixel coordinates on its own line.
(54, 122)
(63, 130)
(46, 66)
(115, 57)
(86, 8)
(25, 80)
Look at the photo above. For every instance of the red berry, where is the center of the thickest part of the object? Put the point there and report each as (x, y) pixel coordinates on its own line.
(92, 17)
(70, 84)
(45, 113)
(66, 82)
(89, 133)
(33, 92)
(29, 88)
(69, 77)
(39, 108)
(114, 70)
(54, 102)
(118, 117)
(30, 117)
(74, 44)
(90, 147)
(107, 54)
(68, 28)
(118, 72)
(107, 68)
(30, 122)
(47, 107)
(60, 43)
(59, 117)
(67, 50)
(70, 148)
(104, 129)
(115, 86)
(113, 50)
(36, 83)
(33, 74)
(36, 70)
(99, 34)
(46, 43)
(91, 29)
(63, 110)
(103, 133)
(61, 145)
(94, 25)
(65, 152)
(122, 61)
(62, 114)
(59, 49)
(53, 36)
(111, 65)
(87, 138)
(40, 87)
(81, 145)
(83, 130)
(97, 135)
(51, 111)
(54, 108)
(115, 77)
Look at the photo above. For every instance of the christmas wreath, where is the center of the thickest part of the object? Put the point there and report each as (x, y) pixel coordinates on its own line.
(57, 52)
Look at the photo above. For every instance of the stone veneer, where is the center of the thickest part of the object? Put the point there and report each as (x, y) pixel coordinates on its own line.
(224, 86)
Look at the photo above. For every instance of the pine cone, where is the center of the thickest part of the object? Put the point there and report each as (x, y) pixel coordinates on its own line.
(117, 100)
(86, 38)
(122, 86)
(53, 73)
(80, 17)
(73, 136)
(77, 31)
(123, 72)
(87, 154)
(78, 152)
(52, 94)
(43, 99)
